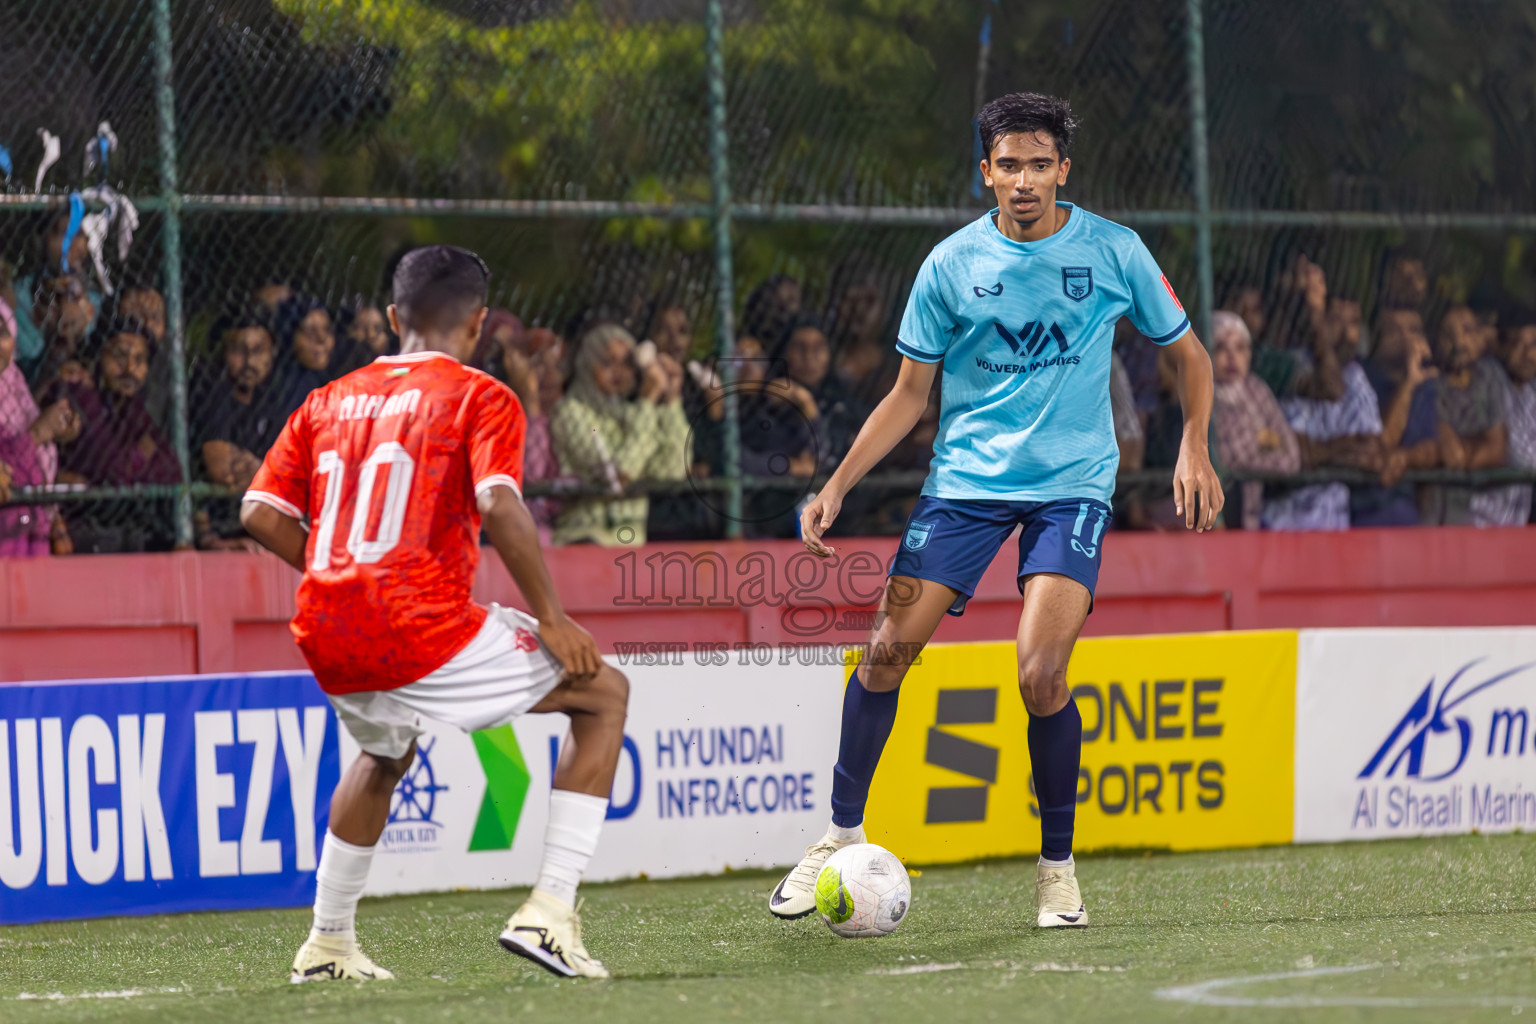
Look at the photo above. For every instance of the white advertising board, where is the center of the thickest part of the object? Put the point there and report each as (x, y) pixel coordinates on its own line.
(723, 767)
(1405, 732)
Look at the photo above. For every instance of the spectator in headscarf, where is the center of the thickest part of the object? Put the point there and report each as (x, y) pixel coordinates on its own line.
(807, 358)
(28, 456)
(610, 440)
(306, 343)
(362, 335)
(531, 362)
(1251, 431)
(364, 324)
(501, 331)
(770, 307)
(671, 329)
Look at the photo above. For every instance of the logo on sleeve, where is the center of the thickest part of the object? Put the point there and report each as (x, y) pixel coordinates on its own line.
(1172, 296)
(1077, 282)
(995, 290)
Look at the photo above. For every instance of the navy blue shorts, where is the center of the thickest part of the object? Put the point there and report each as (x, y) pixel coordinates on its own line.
(952, 541)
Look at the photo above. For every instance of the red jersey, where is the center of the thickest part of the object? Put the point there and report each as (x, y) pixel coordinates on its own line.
(385, 465)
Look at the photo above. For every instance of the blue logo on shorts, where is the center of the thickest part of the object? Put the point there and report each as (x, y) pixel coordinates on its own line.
(1090, 548)
(917, 535)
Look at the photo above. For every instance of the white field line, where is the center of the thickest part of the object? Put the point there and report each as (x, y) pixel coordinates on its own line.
(1214, 993)
(124, 993)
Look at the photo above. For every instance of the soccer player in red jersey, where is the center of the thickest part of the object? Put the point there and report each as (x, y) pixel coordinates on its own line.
(376, 491)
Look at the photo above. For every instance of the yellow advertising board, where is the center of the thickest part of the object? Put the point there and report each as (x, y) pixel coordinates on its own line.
(1188, 744)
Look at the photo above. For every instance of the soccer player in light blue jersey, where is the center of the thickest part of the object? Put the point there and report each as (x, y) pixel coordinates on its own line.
(1018, 309)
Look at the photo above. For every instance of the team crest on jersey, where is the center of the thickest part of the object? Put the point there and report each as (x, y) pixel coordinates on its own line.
(1077, 282)
(917, 535)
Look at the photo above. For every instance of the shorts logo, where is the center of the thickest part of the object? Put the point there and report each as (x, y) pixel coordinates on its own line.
(917, 535)
(1090, 548)
(524, 640)
(1077, 282)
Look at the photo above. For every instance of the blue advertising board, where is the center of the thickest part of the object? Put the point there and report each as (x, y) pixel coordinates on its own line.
(162, 795)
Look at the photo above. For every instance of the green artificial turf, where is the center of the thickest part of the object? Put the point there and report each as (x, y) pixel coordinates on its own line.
(1423, 930)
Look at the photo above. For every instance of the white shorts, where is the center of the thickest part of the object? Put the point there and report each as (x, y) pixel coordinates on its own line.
(494, 679)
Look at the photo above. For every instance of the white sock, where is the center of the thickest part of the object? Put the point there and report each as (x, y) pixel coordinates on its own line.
(575, 820)
(846, 835)
(338, 886)
(1045, 863)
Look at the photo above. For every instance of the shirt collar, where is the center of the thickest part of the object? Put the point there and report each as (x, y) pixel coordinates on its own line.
(414, 357)
(989, 225)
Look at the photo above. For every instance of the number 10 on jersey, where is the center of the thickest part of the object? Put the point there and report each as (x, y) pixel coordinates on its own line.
(391, 519)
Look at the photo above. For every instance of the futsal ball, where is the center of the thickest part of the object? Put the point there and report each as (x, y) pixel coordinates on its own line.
(863, 892)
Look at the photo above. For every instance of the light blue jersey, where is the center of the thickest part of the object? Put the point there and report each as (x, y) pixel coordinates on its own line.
(1024, 330)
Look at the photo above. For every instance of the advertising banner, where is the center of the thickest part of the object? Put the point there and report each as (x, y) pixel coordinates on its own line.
(155, 796)
(213, 793)
(1187, 745)
(723, 767)
(1405, 732)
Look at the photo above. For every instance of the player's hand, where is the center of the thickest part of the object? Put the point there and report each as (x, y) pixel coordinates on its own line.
(816, 518)
(571, 645)
(1195, 478)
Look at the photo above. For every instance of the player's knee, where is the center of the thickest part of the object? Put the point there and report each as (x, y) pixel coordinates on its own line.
(1042, 684)
(882, 677)
(614, 685)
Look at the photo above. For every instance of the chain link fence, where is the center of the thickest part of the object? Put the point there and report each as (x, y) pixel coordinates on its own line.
(715, 176)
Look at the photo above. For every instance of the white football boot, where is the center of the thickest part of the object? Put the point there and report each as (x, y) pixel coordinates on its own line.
(320, 959)
(1059, 900)
(795, 896)
(548, 932)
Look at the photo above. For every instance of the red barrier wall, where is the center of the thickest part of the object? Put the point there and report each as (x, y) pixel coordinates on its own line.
(126, 615)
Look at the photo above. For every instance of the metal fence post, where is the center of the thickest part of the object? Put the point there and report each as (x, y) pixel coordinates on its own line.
(1201, 157)
(725, 293)
(170, 194)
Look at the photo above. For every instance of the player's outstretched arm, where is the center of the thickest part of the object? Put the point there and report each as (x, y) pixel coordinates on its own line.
(892, 420)
(512, 531)
(1196, 488)
(280, 534)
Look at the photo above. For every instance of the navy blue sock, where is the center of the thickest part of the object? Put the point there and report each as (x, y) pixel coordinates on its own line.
(867, 721)
(1055, 752)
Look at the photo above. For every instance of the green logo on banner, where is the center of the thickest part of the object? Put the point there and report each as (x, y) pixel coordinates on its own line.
(506, 787)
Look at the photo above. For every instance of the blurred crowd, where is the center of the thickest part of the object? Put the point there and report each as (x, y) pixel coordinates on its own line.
(1306, 379)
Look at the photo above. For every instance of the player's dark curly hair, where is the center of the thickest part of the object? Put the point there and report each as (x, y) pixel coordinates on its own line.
(1027, 113)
